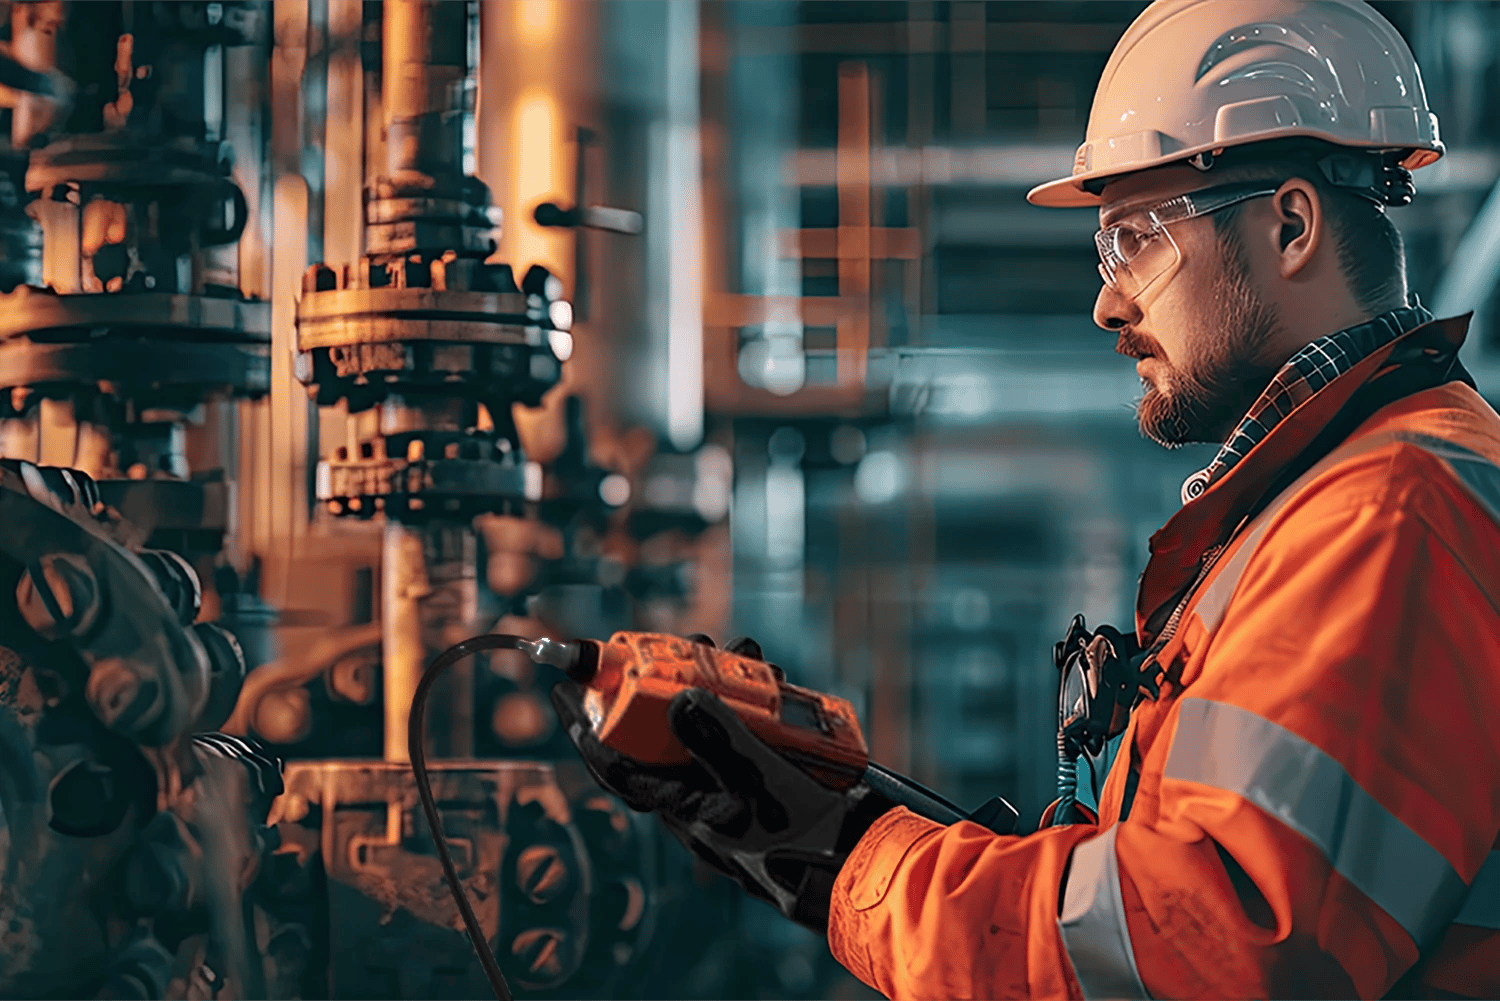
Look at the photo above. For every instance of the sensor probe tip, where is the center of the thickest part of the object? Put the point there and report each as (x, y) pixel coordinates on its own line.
(578, 659)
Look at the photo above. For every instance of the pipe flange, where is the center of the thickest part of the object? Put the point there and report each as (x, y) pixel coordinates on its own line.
(430, 488)
(452, 325)
(365, 374)
(126, 158)
(429, 473)
(464, 188)
(383, 315)
(175, 371)
(379, 211)
(138, 343)
(89, 316)
(360, 344)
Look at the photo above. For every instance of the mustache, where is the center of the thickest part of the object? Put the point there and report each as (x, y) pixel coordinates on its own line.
(1136, 345)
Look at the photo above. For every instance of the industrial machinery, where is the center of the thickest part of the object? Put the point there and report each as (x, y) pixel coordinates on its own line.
(134, 326)
(125, 343)
(123, 329)
(137, 836)
(430, 348)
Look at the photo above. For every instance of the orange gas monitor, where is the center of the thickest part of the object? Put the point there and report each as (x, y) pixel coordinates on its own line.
(630, 681)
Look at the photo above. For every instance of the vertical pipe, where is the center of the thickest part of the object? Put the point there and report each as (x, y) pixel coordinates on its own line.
(921, 279)
(685, 228)
(33, 32)
(246, 128)
(285, 516)
(62, 250)
(716, 107)
(403, 577)
(537, 77)
(538, 70)
(343, 171)
(425, 47)
(430, 597)
(58, 432)
(763, 88)
(853, 169)
(967, 50)
(449, 615)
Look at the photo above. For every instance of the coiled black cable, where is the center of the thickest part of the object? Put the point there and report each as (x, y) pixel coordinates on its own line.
(416, 740)
(1067, 781)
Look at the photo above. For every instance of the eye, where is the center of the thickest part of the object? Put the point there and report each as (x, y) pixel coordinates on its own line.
(1129, 241)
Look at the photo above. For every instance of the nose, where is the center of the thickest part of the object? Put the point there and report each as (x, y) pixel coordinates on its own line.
(1112, 310)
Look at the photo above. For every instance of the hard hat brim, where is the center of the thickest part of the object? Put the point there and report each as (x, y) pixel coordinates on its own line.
(1069, 192)
(1063, 193)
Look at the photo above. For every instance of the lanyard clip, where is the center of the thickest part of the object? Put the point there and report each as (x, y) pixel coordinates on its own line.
(1102, 681)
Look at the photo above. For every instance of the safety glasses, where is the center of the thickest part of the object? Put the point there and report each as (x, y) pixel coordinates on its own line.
(1136, 251)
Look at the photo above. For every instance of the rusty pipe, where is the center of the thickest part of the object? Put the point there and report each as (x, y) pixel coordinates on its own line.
(296, 669)
(423, 87)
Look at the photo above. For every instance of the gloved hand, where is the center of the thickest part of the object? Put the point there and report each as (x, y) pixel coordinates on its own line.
(740, 806)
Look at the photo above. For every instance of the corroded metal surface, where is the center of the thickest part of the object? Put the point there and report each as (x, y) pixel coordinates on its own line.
(131, 845)
(394, 929)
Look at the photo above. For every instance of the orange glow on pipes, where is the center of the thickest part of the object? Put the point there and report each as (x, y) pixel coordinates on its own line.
(541, 175)
(536, 21)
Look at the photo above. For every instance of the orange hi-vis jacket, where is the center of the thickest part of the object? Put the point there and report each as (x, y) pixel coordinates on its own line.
(1311, 806)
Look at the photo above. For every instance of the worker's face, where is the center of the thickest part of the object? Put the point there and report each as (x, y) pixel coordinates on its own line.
(1199, 332)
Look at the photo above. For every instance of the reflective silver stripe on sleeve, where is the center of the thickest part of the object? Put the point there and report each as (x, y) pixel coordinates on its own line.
(1093, 923)
(1229, 748)
(1474, 471)
(1482, 905)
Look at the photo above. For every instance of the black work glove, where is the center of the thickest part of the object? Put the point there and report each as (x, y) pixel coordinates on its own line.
(740, 806)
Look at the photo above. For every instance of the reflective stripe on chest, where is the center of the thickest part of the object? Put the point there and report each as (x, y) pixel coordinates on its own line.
(1219, 746)
(1203, 610)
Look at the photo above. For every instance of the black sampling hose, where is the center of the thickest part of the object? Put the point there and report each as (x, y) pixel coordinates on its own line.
(416, 749)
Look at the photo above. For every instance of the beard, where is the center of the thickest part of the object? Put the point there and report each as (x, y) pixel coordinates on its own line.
(1206, 396)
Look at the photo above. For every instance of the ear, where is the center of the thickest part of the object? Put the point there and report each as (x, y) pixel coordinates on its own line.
(1300, 226)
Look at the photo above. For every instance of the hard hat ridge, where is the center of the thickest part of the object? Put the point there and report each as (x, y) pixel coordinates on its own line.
(1195, 77)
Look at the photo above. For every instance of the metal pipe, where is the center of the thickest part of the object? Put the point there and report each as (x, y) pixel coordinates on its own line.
(33, 32)
(403, 573)
(424, 86)
(430, 599)
(430, 596)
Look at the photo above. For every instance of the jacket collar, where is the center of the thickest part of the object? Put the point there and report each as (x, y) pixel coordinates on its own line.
(1305, 373)
(1178, 549)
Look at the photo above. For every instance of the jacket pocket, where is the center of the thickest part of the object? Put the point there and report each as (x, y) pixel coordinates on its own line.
(880, 853)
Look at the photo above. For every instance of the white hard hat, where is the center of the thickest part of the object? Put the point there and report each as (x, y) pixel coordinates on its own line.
(1198, 76)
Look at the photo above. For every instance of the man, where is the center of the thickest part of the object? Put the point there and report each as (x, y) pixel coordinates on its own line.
(1307, 800)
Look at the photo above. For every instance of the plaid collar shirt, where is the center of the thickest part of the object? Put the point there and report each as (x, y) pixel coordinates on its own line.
(1308, 371)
